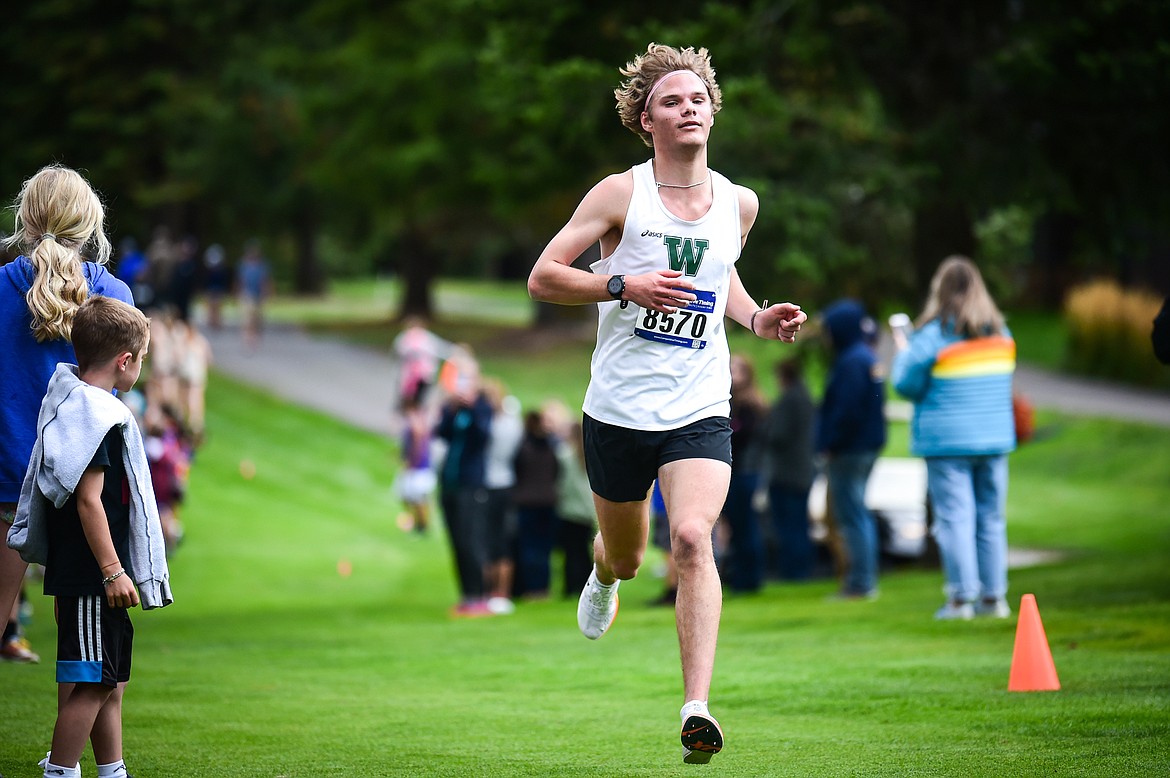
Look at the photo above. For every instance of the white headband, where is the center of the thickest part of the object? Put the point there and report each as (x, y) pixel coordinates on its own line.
(658, 83)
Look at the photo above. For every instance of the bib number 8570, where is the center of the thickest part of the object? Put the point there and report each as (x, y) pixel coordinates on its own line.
(676, 323)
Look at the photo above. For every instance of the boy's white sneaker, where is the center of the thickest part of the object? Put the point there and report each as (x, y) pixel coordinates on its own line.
(597, 607)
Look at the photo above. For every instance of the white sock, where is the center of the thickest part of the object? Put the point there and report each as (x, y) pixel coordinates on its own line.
(112, 770)
(605, 586)
(56, 771)
(693, 708)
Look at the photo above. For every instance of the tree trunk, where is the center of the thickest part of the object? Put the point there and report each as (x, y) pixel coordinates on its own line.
(1052, 246)
(417, 266)
(307, 278)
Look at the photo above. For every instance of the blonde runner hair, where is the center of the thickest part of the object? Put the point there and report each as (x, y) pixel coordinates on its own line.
(57, 214)
(645, 71)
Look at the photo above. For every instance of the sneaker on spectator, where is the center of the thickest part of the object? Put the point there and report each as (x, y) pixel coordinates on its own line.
(955, 611)
(597, 607)
(501, 606)
(471, 609)
(996, 608)
(17, 649)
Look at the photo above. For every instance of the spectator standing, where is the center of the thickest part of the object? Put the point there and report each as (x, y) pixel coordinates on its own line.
(745, 567)
(660, 538)
(186, 277)
(851, 432)
(535, 497)
(255, 286)
(791, 469)
(577, 517)
(499, 478)
(416, 478)
(194, 359)
(217, 283)
(133, 269)
(57, 216)
(87, 514)
(957, 368)
(162, 255)
(417, 352)
(466, 425)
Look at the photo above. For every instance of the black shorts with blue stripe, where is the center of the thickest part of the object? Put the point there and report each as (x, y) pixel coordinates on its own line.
(94, 641)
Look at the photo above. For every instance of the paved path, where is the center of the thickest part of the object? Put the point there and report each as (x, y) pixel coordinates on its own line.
(355, 384)
(345, 381)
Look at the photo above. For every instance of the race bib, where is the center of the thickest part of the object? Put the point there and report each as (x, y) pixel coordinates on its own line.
(685, 328)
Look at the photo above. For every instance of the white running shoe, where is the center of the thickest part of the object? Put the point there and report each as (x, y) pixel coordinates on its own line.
(597, 607)
(996, 608)
(955, 611)
(701, 738)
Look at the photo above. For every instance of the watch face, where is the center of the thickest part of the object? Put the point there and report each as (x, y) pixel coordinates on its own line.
(616, 285)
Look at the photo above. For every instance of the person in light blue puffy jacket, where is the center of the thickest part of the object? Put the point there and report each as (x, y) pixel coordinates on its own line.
(957, 368)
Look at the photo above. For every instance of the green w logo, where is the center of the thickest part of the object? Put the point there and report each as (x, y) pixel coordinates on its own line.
(686, 254)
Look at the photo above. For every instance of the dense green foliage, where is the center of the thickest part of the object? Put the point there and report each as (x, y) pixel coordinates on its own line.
(272, 662)
(455, 136)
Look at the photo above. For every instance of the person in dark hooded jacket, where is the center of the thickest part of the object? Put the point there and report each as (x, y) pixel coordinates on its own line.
(851, 432)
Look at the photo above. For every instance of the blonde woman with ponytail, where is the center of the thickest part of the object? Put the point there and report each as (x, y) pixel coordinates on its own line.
(58, 217)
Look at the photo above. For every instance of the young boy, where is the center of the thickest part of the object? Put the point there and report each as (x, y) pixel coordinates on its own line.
(87, 512)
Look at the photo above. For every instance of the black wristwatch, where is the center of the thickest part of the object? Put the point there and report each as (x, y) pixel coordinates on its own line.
(616, 286)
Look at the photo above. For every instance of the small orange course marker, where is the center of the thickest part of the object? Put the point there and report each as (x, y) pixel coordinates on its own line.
(1032, 667)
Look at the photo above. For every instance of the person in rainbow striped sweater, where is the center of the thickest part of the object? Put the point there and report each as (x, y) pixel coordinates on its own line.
(956, 367)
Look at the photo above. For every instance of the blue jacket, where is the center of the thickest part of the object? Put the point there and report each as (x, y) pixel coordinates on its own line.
(467, 431)
(961, 389)
(26, 366)
(852, 418)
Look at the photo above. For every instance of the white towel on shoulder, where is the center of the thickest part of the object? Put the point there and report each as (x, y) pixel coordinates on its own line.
(73, 420)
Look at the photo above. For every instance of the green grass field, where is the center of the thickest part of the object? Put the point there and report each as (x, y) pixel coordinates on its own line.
(273, 663)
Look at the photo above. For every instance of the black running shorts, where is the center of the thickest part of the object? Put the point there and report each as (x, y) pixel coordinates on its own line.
(622, 463)
(94, 641)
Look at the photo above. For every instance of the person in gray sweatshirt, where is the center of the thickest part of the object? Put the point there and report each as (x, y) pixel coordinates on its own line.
(87, 512)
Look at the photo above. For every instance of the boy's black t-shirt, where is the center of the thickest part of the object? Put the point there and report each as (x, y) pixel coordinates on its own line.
(71, 569)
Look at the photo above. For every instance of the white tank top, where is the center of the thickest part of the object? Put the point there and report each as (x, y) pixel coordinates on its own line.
(655, 371)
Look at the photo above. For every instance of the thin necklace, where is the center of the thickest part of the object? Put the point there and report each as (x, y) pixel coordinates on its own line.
(659, 184)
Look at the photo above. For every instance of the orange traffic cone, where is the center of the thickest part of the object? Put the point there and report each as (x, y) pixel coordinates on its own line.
(1032, 666)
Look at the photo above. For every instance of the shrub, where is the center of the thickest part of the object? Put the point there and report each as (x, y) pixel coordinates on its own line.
(1109, 332)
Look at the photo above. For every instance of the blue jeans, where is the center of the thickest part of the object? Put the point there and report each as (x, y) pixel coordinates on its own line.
(535, 536)
(746, 541)
(969, 499)
(848, 474)
(794, 548)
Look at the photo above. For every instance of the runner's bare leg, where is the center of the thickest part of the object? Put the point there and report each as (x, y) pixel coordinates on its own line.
(694, 491)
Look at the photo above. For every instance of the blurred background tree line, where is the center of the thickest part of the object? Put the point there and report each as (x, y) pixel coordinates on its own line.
(453, 137)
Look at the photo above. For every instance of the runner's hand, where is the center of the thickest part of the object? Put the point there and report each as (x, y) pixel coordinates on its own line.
(664, 291)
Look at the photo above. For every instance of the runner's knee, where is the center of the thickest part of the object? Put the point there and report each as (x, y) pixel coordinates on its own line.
(625, 566)
(690, 541)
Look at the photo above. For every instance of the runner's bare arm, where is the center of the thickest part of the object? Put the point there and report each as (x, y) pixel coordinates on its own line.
(780, 321)
(601, 217)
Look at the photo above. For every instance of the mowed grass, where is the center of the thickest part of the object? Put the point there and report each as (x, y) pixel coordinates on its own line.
(310, 637)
